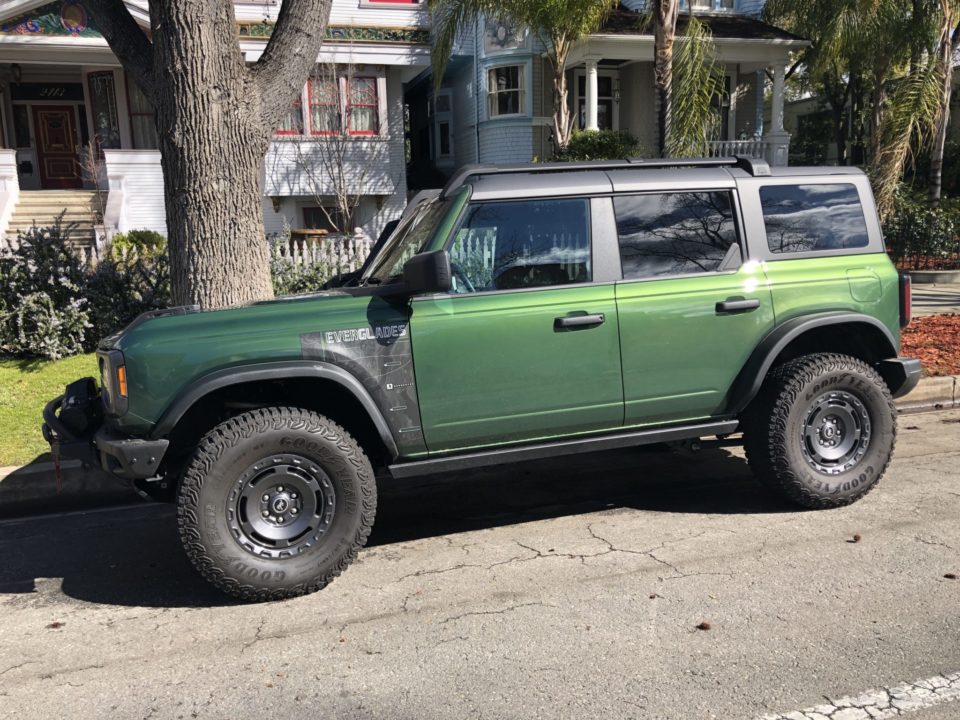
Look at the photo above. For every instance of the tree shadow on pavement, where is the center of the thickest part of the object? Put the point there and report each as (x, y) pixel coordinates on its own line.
(131, 555)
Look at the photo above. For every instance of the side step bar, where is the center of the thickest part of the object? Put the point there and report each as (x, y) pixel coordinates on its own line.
(501, 456)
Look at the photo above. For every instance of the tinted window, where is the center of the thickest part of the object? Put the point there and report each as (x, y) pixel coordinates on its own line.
(510, 245)
(674, 233)
(803, 218)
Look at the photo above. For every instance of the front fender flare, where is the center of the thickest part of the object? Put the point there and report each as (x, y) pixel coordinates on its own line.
(281, 370)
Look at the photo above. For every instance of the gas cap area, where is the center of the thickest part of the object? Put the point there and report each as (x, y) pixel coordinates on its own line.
(865, 285)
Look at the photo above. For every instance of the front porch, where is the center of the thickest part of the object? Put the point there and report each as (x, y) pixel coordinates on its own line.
(611, 81)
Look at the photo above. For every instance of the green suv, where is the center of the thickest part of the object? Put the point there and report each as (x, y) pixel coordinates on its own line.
(521, 312)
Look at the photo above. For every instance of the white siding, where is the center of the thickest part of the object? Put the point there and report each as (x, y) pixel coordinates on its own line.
(9, 187)
(135, 181)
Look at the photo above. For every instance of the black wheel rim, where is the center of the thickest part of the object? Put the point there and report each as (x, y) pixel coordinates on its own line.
(836, 433)
(281, 506)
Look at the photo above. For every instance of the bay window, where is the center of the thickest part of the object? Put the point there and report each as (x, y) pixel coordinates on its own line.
(505, 90)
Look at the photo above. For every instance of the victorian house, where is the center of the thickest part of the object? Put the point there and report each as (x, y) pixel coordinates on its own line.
(495, 102)
(71, 120)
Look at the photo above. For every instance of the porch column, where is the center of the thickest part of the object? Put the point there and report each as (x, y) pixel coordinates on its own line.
(591, 99)
(777, 139)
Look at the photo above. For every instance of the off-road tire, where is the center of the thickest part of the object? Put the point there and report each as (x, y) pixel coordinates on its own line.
(776, 422)
(207, 509)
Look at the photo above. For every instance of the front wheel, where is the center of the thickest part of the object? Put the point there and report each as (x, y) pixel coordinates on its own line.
(822, 430)
(275, 503)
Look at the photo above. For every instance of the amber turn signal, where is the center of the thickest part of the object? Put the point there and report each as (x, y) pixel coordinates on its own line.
(122, 381)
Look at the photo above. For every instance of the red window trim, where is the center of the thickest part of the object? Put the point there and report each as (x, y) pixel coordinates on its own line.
(375, 106)
(294, 104)
(395, 2)
(310, 106)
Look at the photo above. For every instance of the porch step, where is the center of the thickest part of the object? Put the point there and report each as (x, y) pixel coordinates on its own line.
(41, 208)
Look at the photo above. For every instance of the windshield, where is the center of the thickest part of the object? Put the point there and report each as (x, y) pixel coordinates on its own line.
(410, 239)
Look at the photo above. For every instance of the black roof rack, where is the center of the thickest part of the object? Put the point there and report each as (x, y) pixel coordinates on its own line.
(754, 166)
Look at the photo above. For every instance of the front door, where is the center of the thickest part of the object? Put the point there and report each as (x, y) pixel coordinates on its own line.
(526, 346)
(56, 146)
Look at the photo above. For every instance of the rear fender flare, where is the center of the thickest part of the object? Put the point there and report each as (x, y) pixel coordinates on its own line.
(754, 372)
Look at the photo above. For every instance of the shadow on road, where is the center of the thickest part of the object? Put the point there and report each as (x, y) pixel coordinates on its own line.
(131, 555)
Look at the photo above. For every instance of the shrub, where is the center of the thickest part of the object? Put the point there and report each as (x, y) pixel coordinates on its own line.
(923, 238)
(43, 309)
(601, 145)
(142, 243)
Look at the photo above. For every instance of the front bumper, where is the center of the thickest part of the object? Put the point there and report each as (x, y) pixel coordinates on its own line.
(901, 374)
(73, 426)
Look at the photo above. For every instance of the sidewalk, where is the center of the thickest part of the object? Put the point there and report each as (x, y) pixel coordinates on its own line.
(33, 488)
(936, 299)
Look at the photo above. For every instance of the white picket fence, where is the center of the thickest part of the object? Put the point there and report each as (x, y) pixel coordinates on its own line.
(342, 253)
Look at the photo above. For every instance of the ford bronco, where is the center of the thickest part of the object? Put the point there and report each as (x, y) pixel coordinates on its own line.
(521, 312)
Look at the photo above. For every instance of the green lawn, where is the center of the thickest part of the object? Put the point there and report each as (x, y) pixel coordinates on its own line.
(25, 387)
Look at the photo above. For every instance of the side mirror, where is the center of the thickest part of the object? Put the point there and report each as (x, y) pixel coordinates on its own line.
(427, 272)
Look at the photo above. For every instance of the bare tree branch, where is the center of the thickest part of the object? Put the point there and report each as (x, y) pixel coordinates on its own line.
(126, 39)
(289, 55)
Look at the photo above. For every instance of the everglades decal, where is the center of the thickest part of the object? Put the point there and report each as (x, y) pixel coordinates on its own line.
(379, 355)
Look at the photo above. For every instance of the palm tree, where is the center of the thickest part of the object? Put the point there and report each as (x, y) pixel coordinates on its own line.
(559, 23)
(947, 42)
(664, 14)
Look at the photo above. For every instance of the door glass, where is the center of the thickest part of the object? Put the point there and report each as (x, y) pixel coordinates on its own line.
(103, 104)
(674, 233)
(512, 245)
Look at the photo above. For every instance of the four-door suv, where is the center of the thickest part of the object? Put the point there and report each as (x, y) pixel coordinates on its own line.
(521, 312)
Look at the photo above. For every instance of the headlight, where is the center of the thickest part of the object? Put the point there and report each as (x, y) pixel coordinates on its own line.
(113, 382)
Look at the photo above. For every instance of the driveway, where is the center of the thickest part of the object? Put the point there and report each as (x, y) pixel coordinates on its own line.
(571, 588)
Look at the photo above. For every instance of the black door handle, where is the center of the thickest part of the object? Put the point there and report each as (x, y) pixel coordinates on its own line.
(578, 321)
(737, 306)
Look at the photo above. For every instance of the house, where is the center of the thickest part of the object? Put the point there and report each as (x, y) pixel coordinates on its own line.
(495, 101)
(62, 91)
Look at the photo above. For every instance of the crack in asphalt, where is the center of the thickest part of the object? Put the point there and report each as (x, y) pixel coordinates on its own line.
(884, 703)
(503, 611)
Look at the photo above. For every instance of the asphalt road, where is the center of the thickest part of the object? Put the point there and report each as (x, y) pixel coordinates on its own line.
(561, 589)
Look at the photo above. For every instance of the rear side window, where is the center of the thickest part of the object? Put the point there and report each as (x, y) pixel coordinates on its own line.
(674, 233)
(523, 244)
(807, 218)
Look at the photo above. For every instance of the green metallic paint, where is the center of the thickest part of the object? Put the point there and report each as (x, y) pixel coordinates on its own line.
(866, 283)
(679, 355)
(491, 368)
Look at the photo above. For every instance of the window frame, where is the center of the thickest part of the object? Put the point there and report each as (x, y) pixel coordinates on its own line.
(298, 102)
(91, 78)
(338, 104)
(740, 228)
(521, 89)
(349, 104)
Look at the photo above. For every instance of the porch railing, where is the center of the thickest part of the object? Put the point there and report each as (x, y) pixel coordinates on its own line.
(745, 148)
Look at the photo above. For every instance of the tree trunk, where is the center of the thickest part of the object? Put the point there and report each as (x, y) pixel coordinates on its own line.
(562, 117)
(215, 117)
(665, 15)
(948, 46)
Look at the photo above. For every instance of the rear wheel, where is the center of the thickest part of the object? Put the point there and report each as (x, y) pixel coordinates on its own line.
(822, 430)
(275, 503)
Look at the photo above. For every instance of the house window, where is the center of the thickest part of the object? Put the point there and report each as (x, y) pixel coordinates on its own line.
(21, 126)
(141, 118)
(324, 97)
(292, 123)
(103, 106)
(443, 139)
(713, 4)
(442, 103)
(323, 218)
(505, 90)
(363, 107)
(605, 102)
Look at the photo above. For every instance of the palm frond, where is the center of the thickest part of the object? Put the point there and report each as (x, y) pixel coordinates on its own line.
(696, 82)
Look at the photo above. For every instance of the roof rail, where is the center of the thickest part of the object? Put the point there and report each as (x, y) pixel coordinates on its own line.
(754, 166)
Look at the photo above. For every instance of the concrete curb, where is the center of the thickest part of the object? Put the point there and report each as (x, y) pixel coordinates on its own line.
(934, 277)
(34, 488)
